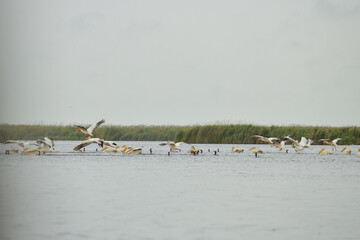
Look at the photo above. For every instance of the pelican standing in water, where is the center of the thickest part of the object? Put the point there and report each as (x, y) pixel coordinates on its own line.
(193, 150)
(331, 143)
(237, 150)
(88, 131)
(346, 151)
(256, 151)
(325, 151)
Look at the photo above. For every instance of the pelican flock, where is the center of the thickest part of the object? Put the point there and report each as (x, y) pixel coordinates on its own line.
(47, 145)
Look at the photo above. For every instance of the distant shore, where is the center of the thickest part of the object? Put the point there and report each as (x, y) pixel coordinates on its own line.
(225, 134)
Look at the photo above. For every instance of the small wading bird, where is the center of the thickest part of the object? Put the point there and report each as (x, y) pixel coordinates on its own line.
(346, 150)
(269, 140)
(325, 151)
(237, 150)
(256, 151)
(173, 146)
(331, 143)
(87, 142)
(88, 131)
(48, 144)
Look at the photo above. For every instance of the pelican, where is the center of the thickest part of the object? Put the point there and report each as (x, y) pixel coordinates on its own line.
(12, 149)
(237, 150)
(48, 144)
(269, 140)
(173, 146)
(256, 150)
(89, 130)
(134, 151)
(305, 143)
(280, 145)
(85, 143)
(332, 143)
(111, 149)
(193, 150)
(21, 144)
(298, 147)
(346, 150)
(31, 151)
(325, 151)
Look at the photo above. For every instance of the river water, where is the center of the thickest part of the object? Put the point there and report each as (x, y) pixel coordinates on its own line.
(94, 195)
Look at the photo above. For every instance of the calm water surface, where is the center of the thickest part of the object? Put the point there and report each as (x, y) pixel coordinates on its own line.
(94, 195)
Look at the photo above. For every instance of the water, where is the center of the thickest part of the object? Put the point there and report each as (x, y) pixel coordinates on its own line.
(94, 195)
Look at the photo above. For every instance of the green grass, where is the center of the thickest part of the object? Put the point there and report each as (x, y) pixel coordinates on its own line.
(231, 134)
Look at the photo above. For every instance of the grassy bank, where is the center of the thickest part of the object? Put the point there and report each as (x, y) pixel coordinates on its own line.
(232, 134)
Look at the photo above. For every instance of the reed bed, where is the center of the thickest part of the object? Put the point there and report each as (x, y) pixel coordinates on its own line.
(226, 134)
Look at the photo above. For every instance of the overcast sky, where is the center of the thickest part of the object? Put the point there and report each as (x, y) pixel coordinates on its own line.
(180, 62)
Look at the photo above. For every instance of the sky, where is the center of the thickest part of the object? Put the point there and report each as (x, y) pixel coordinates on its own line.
(180, 62)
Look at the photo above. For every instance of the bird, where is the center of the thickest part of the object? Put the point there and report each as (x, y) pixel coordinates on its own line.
(111, 149)
(331, 143)
(173, 146)
(20, 143)
(269, 140)
(134, 151)
(237, 150)
(89, 131)
(346, 150)
(31, 151)
(358, 153)
(304, 143)
(110, 143)
(87, 142)
(193, 150)
(256, 151)
(280, 145)
(325, 151)
(48, 144)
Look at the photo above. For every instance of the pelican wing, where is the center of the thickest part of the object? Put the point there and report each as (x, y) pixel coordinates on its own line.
(95, 126)
(336, 140)
(178, 144)
(81, 127)
(83, 144)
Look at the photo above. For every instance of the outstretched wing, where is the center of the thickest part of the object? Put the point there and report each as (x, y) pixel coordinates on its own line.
(336, 140)
(81, 127)
(178, 144)
(95, 126)
(82, 145)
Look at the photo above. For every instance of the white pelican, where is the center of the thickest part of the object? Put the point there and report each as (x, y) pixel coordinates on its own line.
(346, 150)
(305, 143)
(280, 145)
(85, 143)
(269, 140)
(325, 151)
(332, 143)
(21, 144)
(193, 150)
(237, 150)
(134, 151)
(295, 143)
(12, 149)
(31, 151)
(111, 149)
(89, 130)
(173, 146)
(48, 144)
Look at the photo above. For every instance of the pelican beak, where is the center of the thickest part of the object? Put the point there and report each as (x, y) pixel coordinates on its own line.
(344, 149)
(322, 150)
(252, 148)
(104, 149)
(39, 148)
(87, 138)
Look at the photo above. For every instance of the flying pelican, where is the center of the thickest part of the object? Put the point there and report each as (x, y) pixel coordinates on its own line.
(269, 140)
(237, 150)
(89, 130)
(48, 144)
(346, 150)
(332, 143)
(325, 151)
(85, 143)
(173, 146)
(193, 150)
(304, 143)
(31, 151)
(280, 145)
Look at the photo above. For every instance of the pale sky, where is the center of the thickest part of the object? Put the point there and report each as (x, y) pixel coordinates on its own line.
(180, 62)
